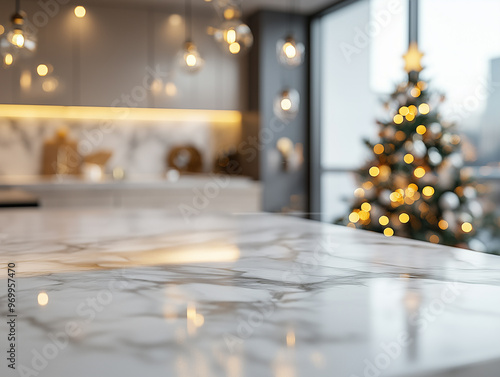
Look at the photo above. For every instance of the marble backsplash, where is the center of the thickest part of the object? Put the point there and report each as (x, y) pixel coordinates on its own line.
(138, 147)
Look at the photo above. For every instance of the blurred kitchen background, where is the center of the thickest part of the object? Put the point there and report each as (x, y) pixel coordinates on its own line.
(238, 106)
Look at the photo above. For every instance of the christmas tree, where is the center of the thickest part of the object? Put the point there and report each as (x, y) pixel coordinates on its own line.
(414, 185)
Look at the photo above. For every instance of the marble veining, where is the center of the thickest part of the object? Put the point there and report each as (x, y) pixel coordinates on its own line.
(145, 293)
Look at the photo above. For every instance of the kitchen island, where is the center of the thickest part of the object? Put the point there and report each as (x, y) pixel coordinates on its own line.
(148, 292)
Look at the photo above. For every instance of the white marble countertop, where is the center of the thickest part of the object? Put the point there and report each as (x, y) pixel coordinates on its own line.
(143, 293)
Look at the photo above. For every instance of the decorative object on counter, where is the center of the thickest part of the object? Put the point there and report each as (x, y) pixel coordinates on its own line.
(290, 53)
(190, 58)
(292, 155)
(17, 198)
(18, 41)
(185, 159)
(228, 163)
(233, 35)
(415, 185)
(94, 164)
(118, 174)
(60, 155)
(286, 104)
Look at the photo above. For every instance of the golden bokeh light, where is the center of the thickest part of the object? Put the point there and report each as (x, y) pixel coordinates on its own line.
(419, 172)
(367, 185)
(374, 171)
(421, 129)
(443, 224)
(424, 108)
(415, 92)
(434, 238)
(383, 220)
(8, 59)
(378, 149)
(404, 218)
(410, 117)
(428, 191)
(354, 217)
(404, 111)
(408, 158)
(366, 207)
(398, 119)
(388, 232)
(364, 215)
(80, 11)
(467, 227)
(234, 48)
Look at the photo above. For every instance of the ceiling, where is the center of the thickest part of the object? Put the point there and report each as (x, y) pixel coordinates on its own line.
(249, 6)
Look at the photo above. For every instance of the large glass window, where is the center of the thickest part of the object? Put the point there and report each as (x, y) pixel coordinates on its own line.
(360, 48)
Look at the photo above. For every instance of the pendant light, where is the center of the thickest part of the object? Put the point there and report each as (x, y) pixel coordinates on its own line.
(286, 104)
(190, 58)
(234, 36)
(290, 52)
(18, 40)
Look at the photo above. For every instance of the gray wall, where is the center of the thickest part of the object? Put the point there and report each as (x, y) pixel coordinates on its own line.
(104, 56)
(266, 78)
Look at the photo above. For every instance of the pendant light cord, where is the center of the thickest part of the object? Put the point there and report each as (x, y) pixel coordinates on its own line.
(18, 6)
(189, 21)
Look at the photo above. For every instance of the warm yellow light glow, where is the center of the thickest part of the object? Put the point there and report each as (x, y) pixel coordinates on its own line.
(413, 186)
(388, 232)
(191, 60)
(18, 39)
(400, 136)
(2, 29)
(359, 192)
(234, 48)
(367, 185)
(199, 320)
(50, 84)
(290, 50)
(413, 109)
(8, 59)
(120, 113)
(229, 13)
(434, 238)
(419, 172)
(25, 80)
(404, 111)
(80, 11)
(443, 224)
(231, 36)
(421, 85)
(408, 158)
(290, 339)
(410, 117)
(366, 207)
(467, 227)
(398, 119)
(421, 129)
(378, 149)
(404, 218)
(353, 217)
(428, 191)
(175, 19)
(383, 220)
(170, 89)
(412, 58)
(363, 215)
(286, 104)
(374, 171)
(42, 70)
(43, 299)
(395, 196)
(415, 92)
(351, 225)
(424, 108)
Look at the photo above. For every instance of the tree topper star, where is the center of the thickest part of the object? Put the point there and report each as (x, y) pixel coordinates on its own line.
(412, 58)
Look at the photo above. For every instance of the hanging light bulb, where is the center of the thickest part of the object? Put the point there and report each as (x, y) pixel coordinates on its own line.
(233, 35)
(191, 60)
(286, 104)
(17, 41)
(290, 52)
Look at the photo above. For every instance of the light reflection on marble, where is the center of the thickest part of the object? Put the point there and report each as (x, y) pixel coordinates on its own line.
(257, 295)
